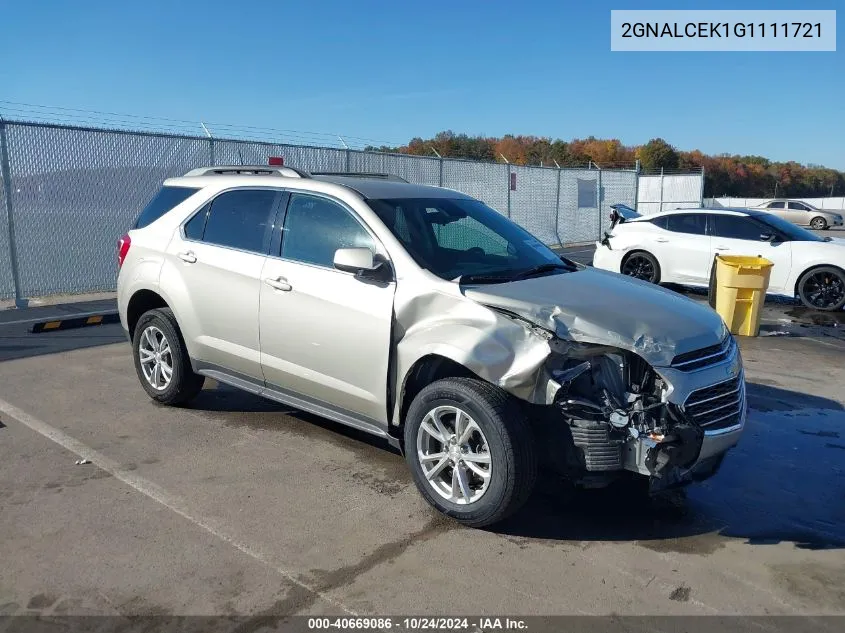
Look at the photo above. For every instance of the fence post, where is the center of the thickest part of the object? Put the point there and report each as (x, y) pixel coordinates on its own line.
(557, 210)
(701, 195)
(508, 185)
(441, 171)
(6, 172)
(637, 185)
(598, 201)
(661, 190)
(211, 156)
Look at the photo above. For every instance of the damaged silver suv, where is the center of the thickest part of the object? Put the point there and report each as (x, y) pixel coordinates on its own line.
(423, 316)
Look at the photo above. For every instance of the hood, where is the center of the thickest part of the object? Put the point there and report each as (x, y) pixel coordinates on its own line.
(596, 306)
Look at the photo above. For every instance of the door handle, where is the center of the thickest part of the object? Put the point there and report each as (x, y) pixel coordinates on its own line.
(279, 283)
(722, 248)
(661, 239)
(188, 257)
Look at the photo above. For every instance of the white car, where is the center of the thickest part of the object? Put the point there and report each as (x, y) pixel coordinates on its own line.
(679, 246)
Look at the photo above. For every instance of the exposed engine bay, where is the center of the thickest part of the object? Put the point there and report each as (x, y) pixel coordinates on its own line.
(614, 404)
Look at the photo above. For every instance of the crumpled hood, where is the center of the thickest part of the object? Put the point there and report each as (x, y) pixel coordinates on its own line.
(596, 306)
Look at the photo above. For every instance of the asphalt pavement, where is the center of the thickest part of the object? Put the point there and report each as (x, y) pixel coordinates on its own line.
(237, 505)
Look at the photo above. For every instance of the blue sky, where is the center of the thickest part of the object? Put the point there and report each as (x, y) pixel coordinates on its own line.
(391, 70)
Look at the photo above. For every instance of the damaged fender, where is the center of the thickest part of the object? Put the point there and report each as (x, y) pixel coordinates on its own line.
(502, 350)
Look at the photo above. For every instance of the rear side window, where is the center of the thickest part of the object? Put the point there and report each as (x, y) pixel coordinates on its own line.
(692, 223)
(241, 219)
(776, 205)
(165, 200)
(195, 227)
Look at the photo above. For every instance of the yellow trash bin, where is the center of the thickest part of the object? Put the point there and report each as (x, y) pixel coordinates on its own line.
(741, 284)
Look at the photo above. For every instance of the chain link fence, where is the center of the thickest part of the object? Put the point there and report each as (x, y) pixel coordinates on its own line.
(69, 192)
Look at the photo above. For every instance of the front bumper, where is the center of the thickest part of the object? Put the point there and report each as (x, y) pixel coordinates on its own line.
(700, 459)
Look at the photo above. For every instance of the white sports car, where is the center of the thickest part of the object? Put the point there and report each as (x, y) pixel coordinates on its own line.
(679, 246)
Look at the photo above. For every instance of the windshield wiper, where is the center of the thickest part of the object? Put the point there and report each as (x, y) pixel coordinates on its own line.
(494, 277)
(483, 278)
(544, 268)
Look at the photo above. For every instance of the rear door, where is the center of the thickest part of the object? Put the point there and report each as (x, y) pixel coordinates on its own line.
(682, 248)
(741, 235)
(798, 213)
(213, 273)
(778, 208)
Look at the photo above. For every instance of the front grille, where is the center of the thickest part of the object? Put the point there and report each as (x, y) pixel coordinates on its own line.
(719, 406)
(704, 357)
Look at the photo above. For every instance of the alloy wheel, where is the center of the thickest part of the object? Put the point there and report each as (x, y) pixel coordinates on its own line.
(824, 289)
(454, 455)
(639, 267)
(156, 358)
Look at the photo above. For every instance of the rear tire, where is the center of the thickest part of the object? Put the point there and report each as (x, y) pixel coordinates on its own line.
(499, 444)
(161, 359)
(822, 288)
(641, 265)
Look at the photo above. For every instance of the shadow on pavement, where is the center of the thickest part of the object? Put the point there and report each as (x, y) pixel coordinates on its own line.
(784, 482)
(16, 342)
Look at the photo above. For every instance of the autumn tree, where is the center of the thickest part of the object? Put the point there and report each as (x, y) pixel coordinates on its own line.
(658, 154)
(725, 175)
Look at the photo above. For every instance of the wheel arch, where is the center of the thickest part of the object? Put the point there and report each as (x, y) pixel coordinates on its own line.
(142, 301)
(424, 371)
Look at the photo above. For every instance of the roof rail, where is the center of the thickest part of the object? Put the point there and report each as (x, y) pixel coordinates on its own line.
(359, 174)
(255, 170)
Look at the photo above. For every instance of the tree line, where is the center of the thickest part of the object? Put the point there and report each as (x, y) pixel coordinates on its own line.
(725, 175)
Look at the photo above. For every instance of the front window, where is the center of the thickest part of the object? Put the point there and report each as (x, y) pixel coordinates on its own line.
(464, 239)
(798, 206)
(792, 232)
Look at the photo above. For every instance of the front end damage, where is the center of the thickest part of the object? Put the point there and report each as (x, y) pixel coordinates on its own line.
(614, 408)
(621, 378)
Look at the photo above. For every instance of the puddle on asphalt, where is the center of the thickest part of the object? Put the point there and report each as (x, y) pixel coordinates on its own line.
(814, 317)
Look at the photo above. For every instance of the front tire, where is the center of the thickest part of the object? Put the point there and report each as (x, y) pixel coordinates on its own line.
(819, 223)
(823, 288)
(470, 450)
(641, 265)
(162, 361)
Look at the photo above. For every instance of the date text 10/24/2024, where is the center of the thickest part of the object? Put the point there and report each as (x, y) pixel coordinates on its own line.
(417, 624)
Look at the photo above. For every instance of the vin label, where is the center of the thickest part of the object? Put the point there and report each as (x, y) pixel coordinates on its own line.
(723, 30)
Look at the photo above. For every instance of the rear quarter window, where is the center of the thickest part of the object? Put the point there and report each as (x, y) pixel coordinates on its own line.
(166, 199)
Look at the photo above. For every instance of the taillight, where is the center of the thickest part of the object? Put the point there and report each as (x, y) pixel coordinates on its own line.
(123, 245)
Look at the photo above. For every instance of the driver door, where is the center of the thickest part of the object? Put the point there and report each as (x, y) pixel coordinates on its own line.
(325, 333)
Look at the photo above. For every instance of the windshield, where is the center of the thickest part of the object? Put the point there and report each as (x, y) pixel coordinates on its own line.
(793, 232)
(465, 240)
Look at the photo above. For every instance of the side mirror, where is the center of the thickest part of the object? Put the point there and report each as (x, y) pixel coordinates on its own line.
(768, 237)
(355, 260)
